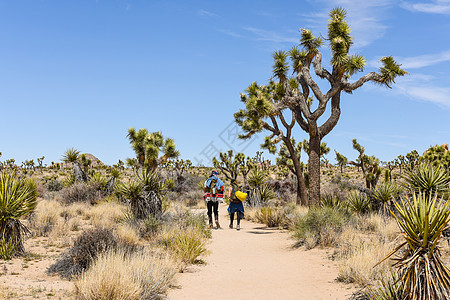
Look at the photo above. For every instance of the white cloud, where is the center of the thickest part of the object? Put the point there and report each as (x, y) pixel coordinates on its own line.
(422, 88)
(206, 13)
(271, 36)
(424, 60)
(435, 7)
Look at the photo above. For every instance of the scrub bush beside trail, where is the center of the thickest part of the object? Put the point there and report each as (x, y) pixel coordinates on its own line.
(86, 248)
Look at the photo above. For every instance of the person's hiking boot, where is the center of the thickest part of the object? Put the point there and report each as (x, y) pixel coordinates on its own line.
(211, 226)
(238, 227)
(231, 226)
(217, 224)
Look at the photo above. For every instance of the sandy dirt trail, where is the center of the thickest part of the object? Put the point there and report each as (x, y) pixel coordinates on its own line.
(259, 263)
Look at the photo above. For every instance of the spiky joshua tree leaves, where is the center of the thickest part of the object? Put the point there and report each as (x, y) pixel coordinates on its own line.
(148, 146)
(17, 200)
(301, 95)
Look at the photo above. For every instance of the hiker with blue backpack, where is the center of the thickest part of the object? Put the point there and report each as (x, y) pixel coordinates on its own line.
(236, 205)
(213, 188)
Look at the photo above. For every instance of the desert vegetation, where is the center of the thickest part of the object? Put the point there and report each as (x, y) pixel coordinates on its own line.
(124, 231)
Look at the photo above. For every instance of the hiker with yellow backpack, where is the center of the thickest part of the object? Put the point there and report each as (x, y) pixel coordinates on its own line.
(213, 189)
(236, 206)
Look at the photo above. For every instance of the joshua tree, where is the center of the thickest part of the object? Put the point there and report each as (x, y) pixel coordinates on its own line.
(40, 160)
(294, 93)
(229, 163)
(261, 112)
(438, 155)
(148, 146)
(72, 155)
(85, 162)
(341, 160)
(284, 160)
(368, 164)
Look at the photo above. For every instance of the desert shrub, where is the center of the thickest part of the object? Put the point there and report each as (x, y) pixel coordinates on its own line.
(44, 217)
(192, 197)
(117, 275)
(54, 185)
(321, 226)
(79, 192)
(186, 244)
(90, 244)
(270, 216)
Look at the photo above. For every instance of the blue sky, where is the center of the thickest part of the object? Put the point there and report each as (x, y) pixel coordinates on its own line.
(80, 73)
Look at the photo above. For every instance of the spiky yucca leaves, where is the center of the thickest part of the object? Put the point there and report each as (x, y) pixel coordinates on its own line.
(148, 146)
(145, 194)
(358, 202)
(384, 194)
(428, 179)
(71, 155)
(422, 273)
(17, 200)
(388, 289)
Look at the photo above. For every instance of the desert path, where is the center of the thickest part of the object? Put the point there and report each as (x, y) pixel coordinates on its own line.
(259, 263)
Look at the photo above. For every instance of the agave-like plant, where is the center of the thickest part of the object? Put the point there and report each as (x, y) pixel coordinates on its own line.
(358, 202)
(384, 194)
(17, 200)
(428, 179)
(422, 273)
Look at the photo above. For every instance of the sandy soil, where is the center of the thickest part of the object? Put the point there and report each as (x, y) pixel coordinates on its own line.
(259, 263)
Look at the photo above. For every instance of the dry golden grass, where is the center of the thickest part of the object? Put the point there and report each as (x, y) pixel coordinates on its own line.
(78, 209)
(44, 218)
(127, 234)
(116, 275)
(358, 254)
(106, 214)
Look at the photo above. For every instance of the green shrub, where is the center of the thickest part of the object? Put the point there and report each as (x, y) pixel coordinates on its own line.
(321, 226)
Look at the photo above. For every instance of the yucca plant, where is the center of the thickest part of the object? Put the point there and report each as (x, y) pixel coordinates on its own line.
(17, 200)
(422, 273)
(389, 288)
(330, 200)
(383, 195)
(427, 178)
(358, 202)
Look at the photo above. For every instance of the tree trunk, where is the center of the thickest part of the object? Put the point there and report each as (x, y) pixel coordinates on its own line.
(314, 170)
(301, 189)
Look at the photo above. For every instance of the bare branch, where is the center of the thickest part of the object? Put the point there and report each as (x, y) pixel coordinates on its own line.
(372, 76)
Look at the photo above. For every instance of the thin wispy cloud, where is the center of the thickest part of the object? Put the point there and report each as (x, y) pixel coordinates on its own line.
(205, 13)
(367, 19)
(435, 7)
(231, 33)
(424, 60)
(270, 36)
(422, 88)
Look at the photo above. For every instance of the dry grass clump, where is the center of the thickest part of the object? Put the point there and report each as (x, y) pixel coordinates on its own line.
(127, 234)
(192, 197)
(357, 256)
(271, 216)
(44, 217)
(286, 216)
(123, 276)
(185, 235)
(106, 214)
(77, 209)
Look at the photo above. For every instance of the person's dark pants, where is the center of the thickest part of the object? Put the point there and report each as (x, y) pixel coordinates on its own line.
(239, 217)
(212, 205)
